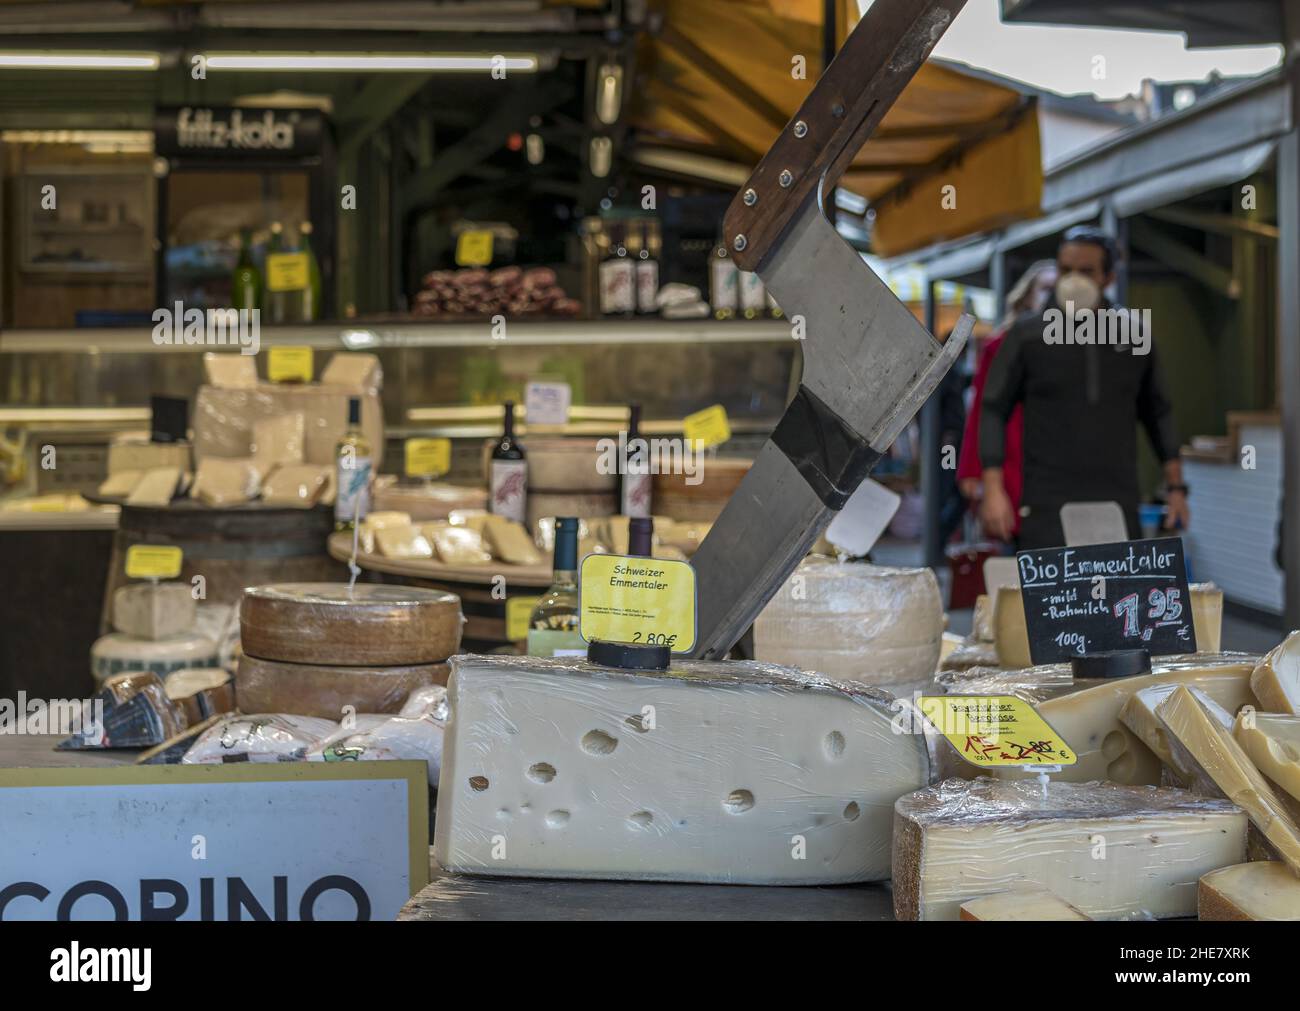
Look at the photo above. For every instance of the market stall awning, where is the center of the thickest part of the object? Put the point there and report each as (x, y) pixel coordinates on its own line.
(721, 78)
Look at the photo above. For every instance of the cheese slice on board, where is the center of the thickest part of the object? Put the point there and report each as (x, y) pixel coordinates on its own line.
(457, 545)
(1032, 905)
(121, 484)
(729, 773)
(368, 624)
(1276, 681)
(1139, 715)
(1200, 742)
(403, 542)
(1107, 750)
(306, 689)
(155, 488)
(1273, 743)
(1108, 850)
(154, 610)
(509, 542)
(1263, 890)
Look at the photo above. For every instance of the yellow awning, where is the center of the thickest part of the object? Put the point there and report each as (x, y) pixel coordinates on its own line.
(722, 77)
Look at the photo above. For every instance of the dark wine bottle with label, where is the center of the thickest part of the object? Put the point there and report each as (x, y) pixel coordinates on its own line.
(508, 478)
(640, 536)
(634, 480)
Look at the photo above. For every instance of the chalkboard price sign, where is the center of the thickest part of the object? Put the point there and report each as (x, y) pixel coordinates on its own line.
(1102, 597)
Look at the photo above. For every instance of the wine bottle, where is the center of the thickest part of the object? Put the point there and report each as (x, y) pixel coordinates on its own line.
(724, 284)
(634, 479)
(246, 284)
(353, 468)
(640, 537)
(553, 627)
(647, 270)
(312, 299)
(508, 478)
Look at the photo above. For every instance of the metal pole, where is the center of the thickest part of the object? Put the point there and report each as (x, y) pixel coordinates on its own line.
(1288, 322)
(930, 450)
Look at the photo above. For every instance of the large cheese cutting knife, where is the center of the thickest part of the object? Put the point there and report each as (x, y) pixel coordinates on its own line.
(868, 365)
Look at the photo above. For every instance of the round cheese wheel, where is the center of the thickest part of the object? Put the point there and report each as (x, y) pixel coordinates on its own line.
(304, 689)
(328, 623)
(118, 653)
(566, 465)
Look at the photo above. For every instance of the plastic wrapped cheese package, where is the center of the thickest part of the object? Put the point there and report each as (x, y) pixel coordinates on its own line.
(736, 772)
(431, 700)
(377, 739)
(1110, 851)
(272, 737)
(226, 482)
(864, 623)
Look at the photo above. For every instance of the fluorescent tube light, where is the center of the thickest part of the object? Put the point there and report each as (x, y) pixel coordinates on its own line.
(482, 62)
(78, 61)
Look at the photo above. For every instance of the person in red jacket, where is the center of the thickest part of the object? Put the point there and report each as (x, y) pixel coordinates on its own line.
(1030, 294)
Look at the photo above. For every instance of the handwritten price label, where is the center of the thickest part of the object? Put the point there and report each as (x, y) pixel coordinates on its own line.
(645, 600)
(996, 730)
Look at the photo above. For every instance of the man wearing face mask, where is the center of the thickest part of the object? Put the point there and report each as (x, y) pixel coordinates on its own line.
(1082, 404)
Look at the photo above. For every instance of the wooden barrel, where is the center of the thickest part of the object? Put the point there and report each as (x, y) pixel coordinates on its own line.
(229, 548)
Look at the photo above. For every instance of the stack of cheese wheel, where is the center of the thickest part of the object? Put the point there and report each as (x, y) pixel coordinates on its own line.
(567, 477)
(314, 649)
(697, 496)
(154, 631)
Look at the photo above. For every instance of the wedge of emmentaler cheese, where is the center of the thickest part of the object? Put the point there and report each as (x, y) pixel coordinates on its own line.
(1108, 850)
(1032, 905)
(1264, 890)
(1276, 681)
(1273, 743)
(1201, 744)
(1139, 715)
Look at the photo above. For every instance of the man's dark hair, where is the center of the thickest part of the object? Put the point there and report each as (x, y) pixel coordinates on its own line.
(1093, 236)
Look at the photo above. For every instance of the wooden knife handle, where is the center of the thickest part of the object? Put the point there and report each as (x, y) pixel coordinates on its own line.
(879, 57)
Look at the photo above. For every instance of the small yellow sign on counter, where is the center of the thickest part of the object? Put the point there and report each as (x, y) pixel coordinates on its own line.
(289, 364)
(287, 271)
(709, 426)
(474, 249)
(518, 611)
(996, 730)
(428, 457)
(153, 561)
(641, 600)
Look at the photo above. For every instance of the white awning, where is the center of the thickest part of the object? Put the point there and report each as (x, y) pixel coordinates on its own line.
(1179, 184)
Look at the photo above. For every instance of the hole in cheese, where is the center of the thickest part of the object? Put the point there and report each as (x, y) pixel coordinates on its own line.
(541, 772)
(597, 742)
(738, 801)
(834, 744)
(478, 783)
(851, 811)
(557, 819)
(641, 819)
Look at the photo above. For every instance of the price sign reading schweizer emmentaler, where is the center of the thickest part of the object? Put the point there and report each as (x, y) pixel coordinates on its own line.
(640, 600)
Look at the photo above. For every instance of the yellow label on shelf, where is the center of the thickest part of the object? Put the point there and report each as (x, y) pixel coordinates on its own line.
(996, 730)
(286, 271)
(518, 611)
(153, 561)
(289, 364)
(647, 600)
(474, 249)
(708, 426)
(428, 457)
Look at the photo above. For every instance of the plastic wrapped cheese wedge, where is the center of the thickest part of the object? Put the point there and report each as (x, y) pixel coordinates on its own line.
(727, 773)
(1263, 890)
(1276, 681)
(1108, 850)
(1201, 745)
(1273, 743)
(1033, 905)
(1139, 715)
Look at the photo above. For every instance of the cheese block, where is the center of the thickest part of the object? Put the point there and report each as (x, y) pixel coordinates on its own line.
(1031, 905)
(403, 542)
(735, 773)
(299, 485)
(201, 692)
(586, 505)
(564, 465)
(982, 619)
(1198, 739)
(474, 519)
(1089, 720)
(1010, 633)
(1276, 681)
(854, 621)
(1108, 850)
(238, 371)
(1139, 715)
(1273, 743)
(377, 521)
(277, 441)
(951, 642)
(426, 501)
(223, 482)
(347, 368)
(121, 484)
(307, 689)
(1207, 616)
(457, 545)
(141, 454)
(969, 654)
(153, 610)
(1265, 890)
(509, 542)
(332, 624)
(117, 653)
(155, 488)
(263, 737)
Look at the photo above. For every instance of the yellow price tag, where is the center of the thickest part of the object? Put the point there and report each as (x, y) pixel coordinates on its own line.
(996, 730)
(649, 600)
(428, 457)
(290, 364)
(286, 271)
(153, 561)
(518, 611)
(474, 249)
(708, 426)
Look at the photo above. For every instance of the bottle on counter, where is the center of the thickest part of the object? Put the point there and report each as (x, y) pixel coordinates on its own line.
(617, 275)
(278, 301)
(312, 299)
(508, 477)
(246, 283)
(353, 469)
(724, 284)
(634, 475)
(640, 537)
(753, 295)
(647, 270)
(553, 627)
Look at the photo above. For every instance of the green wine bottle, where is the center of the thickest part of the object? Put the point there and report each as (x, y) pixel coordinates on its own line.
(313, 297)
(246, 283)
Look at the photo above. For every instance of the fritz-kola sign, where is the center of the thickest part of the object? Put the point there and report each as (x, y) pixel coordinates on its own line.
(206, 131)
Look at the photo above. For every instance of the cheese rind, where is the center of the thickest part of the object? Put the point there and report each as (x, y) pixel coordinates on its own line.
(1276, 680)
(1031, 905)
(306, 689)
(1273, 743)
(1108, 850)
(736, 773)
(153, 610)
(1211, 754)
(366, 625)
(1262, 890)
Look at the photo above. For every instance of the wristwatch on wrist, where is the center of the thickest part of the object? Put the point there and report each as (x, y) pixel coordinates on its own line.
(1178, 487)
